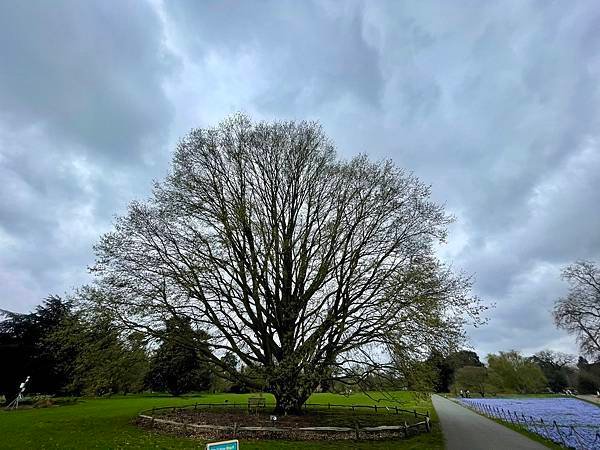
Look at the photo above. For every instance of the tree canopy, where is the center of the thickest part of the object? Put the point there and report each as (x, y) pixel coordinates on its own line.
(588, 379)
(304, 266)
(512, 372)
(447, 366)
(175, 365)
(471, 378)
(68, 351)
(99, 357)
(557, 368)
(579, 311)
(25, 351)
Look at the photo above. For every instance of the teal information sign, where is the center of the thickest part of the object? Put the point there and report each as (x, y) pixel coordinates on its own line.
(224, 445)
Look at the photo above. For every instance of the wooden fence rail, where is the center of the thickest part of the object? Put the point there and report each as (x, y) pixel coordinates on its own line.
(404, 428)
(376, 408)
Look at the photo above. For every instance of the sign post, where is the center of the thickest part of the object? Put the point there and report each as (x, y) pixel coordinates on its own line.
(224, 445)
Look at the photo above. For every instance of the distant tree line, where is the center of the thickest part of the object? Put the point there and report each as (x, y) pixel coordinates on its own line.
(70, 350)
(511, 372)
(71, 346)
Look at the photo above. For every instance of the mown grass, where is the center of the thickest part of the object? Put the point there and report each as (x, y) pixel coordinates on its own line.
(107, 423)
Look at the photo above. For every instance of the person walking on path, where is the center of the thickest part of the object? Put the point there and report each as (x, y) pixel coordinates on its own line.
(466, 430)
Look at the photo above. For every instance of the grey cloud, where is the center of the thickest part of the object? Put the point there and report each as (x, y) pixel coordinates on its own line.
(89, 72)
(495, 105)
(83, 126)
(308, 53)
(50, 215)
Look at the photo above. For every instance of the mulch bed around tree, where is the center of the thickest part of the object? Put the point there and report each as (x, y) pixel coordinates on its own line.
(291, 424)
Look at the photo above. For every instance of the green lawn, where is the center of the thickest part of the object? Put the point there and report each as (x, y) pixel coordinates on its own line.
(107, 423)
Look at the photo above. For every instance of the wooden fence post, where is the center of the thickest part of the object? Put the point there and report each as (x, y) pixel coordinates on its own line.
(559, 433)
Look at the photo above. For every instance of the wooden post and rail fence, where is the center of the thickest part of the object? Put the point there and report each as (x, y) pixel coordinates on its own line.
(255, 404)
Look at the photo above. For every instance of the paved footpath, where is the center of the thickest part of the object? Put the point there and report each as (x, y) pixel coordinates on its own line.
(467, 430)
(589, 398)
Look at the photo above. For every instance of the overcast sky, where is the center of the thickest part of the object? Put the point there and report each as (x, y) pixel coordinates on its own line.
(495, 105)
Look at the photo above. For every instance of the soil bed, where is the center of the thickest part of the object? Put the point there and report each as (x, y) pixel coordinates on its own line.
(287, 427)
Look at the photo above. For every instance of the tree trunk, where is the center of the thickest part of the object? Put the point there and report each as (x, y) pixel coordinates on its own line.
(290, 396)
(291, 387)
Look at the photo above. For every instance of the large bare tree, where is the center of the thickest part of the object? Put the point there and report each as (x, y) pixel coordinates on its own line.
(306, 267)
(579, 311)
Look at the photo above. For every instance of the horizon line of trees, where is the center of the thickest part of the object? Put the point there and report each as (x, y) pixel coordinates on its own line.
(70, 349)
(546, 371)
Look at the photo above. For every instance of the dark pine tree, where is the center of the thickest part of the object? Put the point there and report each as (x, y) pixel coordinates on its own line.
(176, 366)
(25, 350)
